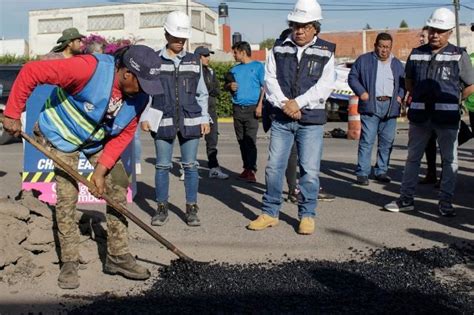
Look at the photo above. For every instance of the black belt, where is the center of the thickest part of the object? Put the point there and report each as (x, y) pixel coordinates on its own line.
(383, 98)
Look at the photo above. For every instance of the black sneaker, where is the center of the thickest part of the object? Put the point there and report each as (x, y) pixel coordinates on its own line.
(446, 209)
(400, 206)
(362, 180)
(324, 196)
(383, 178)
(161, 216)
(293, 196)
(191, 215)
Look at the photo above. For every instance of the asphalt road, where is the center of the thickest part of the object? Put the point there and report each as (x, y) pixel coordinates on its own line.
(353, 220)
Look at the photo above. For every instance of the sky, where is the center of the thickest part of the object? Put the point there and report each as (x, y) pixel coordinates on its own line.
(261, 19)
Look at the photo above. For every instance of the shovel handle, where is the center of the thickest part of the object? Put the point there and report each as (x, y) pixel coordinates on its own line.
(78, 177)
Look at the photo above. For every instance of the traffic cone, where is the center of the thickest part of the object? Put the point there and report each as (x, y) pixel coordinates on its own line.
(353, 121)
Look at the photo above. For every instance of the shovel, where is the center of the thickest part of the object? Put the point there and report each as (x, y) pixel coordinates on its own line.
(78, 177)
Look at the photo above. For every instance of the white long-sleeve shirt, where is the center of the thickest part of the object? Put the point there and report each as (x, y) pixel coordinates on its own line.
(312, 97)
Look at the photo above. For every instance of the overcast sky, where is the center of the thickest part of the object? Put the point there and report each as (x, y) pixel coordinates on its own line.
(260, 19)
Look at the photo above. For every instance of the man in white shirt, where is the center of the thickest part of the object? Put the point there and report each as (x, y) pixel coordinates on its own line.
(299, 77)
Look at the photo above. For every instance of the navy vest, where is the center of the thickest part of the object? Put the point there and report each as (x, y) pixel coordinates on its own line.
(77, 122)
(295, 78)
(437, 90)
(178, 102)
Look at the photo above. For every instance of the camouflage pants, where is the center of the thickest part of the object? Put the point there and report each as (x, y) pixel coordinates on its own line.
(67, 196)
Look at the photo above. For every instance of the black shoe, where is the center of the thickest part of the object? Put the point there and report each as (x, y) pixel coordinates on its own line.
(324, 196)
(383, 178)
(428, 180)
(293, 196)
(191, 215)
(438, 184)
(362, 180)
(161, 216)
(446, 209)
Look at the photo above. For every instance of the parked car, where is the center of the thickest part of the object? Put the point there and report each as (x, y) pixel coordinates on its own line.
(8, 74)
(338, 102)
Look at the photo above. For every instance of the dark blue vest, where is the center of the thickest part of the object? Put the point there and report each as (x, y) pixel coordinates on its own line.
(178, 102)
(78, 122)
(437, 90)
(295, 78)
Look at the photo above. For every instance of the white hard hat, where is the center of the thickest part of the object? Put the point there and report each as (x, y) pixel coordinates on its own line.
(305, 11)
(442, 18)
(177, 24)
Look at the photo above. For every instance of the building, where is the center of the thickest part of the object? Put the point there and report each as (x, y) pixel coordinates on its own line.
(351, 44)
(13, 47)
(139, 21)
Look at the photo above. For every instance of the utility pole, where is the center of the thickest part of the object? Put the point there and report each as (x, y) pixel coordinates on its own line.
(456, 14)
(189, 15)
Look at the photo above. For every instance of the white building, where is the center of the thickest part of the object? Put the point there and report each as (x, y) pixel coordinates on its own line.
(142, 21)
(13, 47)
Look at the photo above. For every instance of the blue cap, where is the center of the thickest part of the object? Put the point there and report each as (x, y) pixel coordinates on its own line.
(144, 63)
(203, 51)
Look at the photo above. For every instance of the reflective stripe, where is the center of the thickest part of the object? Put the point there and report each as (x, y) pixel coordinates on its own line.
(64, 131)
(420, 57)
(448, 57)
(415, 105)
(318, 52)
(191, 68)
(446, 106)
(77, 117)
(167, 67)
(353, 117)
(284, 50)
(192, 121)
(166, 122)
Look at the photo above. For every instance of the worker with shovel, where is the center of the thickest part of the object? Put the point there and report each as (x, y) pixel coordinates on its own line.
(94, 109)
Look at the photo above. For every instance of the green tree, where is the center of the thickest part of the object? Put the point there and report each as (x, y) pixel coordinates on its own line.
(403, 24)
(267, 43)
(224, 100)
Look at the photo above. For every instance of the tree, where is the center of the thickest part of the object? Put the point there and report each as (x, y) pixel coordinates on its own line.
(267, 43)
(403, 24)
(367, 27)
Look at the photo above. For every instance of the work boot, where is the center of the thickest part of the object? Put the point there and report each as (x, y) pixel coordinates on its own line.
(191, 215)
(262, 222)
(126, 266)
(161, 216)
(306, 226)
(68, 277)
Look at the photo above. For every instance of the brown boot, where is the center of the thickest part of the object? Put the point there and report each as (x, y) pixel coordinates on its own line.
(126, 266)
(68, 277)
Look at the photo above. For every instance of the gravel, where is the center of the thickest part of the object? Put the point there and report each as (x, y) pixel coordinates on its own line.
(385, 281)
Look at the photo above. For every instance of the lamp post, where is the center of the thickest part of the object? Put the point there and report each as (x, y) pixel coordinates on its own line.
(456, 14)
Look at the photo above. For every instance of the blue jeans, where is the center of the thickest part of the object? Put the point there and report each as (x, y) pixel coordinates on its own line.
(418, 136)
(309, 143)
(164, 153)
(373, 126)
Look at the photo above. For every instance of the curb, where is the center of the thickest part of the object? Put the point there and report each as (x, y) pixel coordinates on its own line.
(225, 120)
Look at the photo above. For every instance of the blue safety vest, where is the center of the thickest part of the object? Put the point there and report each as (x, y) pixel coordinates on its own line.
(437, 90)
(295, 78)
(178, 103)
(77, 122)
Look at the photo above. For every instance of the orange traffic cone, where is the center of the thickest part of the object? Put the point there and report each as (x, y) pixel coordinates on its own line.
(353, 122)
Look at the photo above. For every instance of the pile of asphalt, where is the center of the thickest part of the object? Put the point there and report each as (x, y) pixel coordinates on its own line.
(381, 281)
